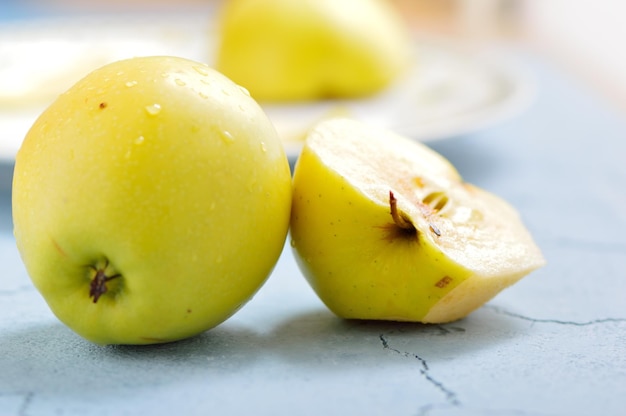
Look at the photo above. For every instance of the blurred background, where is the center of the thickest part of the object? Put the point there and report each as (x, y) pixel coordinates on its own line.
(583, 36)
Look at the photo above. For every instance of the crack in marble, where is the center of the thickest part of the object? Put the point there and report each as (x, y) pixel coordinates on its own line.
(26, 401)
(503, 311)
(450, 396)
(426, 410)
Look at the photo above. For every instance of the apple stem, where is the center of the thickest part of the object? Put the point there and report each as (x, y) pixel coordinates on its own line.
(98, 285)
(399, 218)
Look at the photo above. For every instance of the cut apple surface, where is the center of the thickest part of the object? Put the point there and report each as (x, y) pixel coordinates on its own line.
(385, 228)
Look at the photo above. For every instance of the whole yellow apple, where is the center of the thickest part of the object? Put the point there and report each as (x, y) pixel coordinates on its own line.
(150, 201)
(385, 228)
(285, 50)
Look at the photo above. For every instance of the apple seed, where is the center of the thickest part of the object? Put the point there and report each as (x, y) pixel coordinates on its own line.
(436, 200)
(434, 229)
(98, 285)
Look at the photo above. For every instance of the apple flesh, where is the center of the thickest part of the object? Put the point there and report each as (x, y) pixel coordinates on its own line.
(150, 201)
(285, 50)
(385, 228)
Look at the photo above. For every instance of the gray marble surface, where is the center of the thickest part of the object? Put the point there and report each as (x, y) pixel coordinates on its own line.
(554, 344)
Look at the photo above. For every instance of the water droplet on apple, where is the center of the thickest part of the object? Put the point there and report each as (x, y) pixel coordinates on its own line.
(203, 95)
(153, 109)
(139, 140)
(180, 82)
(201, 70)
(252, 185)
(292, 243)
(131, 83)
(227, 137)
(477, 216)
(263, 147)
(244, 90)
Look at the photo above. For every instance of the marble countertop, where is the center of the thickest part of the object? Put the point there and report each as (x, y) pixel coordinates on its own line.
(553, 344)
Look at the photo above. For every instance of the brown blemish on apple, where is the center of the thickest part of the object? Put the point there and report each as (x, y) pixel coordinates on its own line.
(154, 340)
(58, 247)
(419, 182)
(469, 187)
(443, 282)
(98, 285)
(102, 105)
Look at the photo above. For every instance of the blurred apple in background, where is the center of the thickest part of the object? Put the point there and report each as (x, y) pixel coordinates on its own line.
(150, 201)
(285, 50)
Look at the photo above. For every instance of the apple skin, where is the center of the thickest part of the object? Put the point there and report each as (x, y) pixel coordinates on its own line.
(359, 259)
(163, 171)
(285, 50)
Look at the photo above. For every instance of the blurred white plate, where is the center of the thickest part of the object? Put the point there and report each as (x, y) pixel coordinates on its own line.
(452, 91)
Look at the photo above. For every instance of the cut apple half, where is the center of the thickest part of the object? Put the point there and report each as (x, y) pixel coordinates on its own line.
(307, 50)
(385, 228)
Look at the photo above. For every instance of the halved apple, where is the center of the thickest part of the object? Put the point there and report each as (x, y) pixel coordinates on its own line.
(385, 228)
(284, 50)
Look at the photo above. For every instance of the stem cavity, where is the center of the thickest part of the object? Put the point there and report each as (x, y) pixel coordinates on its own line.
(399, 218)
(404, 223)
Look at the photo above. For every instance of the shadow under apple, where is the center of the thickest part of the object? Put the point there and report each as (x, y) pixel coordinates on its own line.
(320, 339)
(52, 359)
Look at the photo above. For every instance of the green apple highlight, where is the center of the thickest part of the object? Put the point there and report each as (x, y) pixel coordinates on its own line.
(151, 201)
(286, 50)
(385, 228)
